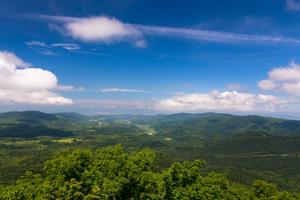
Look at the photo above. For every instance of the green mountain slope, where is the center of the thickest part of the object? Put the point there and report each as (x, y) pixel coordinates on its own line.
(34, 123)
(209, 124)
(206, 124)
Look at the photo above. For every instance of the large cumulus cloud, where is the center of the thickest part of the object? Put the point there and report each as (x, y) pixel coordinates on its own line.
(22, 83)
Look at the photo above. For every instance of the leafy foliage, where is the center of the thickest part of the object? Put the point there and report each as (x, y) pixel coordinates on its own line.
(112, 173)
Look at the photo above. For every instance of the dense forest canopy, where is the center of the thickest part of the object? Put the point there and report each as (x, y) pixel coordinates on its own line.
(238, 151)
(112, 173)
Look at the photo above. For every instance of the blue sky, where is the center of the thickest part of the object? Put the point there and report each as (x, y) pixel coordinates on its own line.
(150, 56)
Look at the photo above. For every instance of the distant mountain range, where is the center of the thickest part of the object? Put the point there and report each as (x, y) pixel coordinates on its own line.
(209, 124)
(35, 123)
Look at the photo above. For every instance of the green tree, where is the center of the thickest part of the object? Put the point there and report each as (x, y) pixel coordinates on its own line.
(112, 174)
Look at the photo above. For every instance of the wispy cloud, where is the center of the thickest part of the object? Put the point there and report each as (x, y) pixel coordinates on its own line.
(109, 30)
(140, 44)
(49, 49)
(46, 52)
(70, 88)
(36, 43)
(293, 5)
(67, 46)
(215, 36)
(105, 90)
(40, 47)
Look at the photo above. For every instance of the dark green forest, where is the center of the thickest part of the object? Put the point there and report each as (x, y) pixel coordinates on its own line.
(179, 156)
(112, 173)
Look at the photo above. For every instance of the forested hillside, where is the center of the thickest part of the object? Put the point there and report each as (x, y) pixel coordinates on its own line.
(209, 124)
(112, 173)
(34, 123)
(245, 148)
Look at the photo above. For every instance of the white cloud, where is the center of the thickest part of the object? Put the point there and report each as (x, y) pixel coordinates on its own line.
(221, 101)
(67, 46)
(293, 5)
(33, 97)
(291, 88)
(288, 73)
(105, 29)
(121, 90)
(286, 79)
(101, 29)
(22, 83)
(267, 85)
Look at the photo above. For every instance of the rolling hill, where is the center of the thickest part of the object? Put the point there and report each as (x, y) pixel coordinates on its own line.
(34, 123)
(209, 124)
